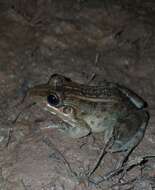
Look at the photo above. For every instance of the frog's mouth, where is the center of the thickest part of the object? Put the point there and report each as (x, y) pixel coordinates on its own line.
(66, 113)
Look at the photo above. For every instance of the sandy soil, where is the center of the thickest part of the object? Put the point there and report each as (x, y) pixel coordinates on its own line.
(107, 39)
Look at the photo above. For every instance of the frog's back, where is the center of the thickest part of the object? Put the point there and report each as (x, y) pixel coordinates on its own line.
(106, 92)
(109, 92)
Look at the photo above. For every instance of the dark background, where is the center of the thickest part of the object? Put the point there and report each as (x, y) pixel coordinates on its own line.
(112, 40)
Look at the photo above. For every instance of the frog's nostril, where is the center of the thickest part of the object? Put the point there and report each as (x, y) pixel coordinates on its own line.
(53, 99)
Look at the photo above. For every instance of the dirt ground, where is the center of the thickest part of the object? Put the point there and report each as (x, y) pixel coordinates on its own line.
(112, 40)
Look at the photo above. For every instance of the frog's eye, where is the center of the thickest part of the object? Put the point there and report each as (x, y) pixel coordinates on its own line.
(53, 99)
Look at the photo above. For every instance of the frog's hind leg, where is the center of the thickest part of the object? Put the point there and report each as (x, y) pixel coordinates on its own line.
(129, 133)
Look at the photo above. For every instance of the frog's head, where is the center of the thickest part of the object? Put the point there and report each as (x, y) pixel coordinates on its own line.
(51, 97)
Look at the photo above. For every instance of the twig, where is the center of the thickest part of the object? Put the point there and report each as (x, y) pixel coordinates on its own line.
(125, 183)
(137, 161)
(102, 154)
(15, 120)
(91, 78)
(48, 142)
(96, 59)
(9, 136)
(93, 75)
(25, 108)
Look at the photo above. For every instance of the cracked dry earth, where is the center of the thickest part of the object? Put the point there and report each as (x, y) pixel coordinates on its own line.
(78, 40)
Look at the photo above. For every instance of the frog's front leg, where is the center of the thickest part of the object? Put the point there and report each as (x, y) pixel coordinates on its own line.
(74, 130)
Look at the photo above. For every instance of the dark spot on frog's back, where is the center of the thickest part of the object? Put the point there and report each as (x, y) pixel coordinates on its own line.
(96, 91)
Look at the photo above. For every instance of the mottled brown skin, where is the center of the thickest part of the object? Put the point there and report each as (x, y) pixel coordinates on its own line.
(110, 109)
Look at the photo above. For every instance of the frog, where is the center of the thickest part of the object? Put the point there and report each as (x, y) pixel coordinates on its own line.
(108, 108)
